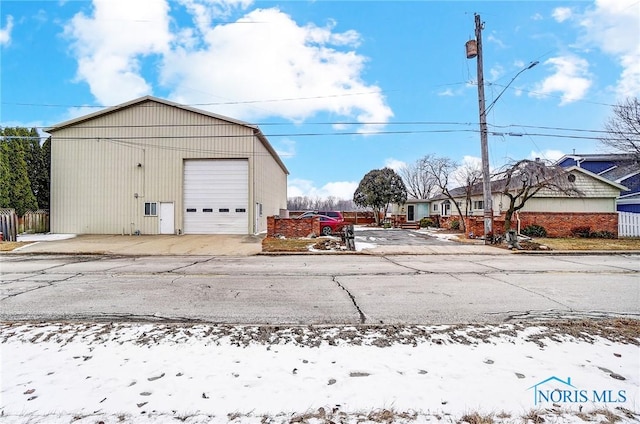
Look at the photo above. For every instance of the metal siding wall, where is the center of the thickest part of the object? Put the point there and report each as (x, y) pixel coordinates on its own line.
(94, 182)
(270, 185)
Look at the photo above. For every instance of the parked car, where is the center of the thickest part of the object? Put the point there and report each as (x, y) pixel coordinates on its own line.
(330, 221)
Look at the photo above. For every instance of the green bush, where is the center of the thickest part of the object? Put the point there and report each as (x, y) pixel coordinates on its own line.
(602, 235)
(426, 222)
(582, 232)
(534, 231)
(455, 225)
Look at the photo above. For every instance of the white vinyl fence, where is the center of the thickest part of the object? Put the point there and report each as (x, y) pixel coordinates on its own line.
(628, 224)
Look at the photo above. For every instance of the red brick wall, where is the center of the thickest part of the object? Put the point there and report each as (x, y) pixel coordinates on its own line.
(557, 224)
(560, 224)
(447, 221)
(292, 228)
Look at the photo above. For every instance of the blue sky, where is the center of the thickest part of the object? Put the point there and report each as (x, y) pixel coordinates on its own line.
(338, 87)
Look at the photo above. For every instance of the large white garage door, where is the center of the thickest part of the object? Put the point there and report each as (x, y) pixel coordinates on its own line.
(216, 196)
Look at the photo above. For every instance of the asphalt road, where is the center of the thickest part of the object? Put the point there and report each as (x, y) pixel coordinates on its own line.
(397, 237)
(319, 289)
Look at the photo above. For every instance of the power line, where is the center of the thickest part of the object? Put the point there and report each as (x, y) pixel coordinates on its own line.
(320, 134)
(372, 123)
(329, 96)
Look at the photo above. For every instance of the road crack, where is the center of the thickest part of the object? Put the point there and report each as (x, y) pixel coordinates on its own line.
(197, 262)
(363, 318)
(529, 290)
(42, 286)
(415, 270)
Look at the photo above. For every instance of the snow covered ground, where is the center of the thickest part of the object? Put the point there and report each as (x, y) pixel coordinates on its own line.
(200, 373)
(44, 237)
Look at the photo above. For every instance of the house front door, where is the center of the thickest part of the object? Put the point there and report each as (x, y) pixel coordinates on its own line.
(446, 208)
(167, 218)
(411, 213)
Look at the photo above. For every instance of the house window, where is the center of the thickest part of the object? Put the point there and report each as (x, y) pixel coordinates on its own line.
(241, 210)
(435, 207)
(478, 204)
(207, 210)
(223, 210)
(150, 209)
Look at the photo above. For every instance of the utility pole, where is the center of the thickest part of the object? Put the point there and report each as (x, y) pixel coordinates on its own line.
(484, 144)
(474, 49)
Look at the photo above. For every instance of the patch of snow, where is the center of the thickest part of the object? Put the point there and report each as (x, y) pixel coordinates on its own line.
(43, 237)
(148, 373)
(364, 245)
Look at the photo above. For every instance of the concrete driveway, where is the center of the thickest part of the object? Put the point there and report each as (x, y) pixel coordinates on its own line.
(207, 245)
(373, 241)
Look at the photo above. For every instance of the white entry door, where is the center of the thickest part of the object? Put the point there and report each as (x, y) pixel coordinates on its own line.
(167, 218)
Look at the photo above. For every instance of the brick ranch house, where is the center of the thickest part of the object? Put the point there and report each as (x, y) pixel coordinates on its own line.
(557, 212)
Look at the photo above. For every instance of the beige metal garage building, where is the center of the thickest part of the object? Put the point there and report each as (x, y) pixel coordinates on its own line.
(151, 166)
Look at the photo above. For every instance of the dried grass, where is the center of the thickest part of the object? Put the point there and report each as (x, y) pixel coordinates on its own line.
(590, 244)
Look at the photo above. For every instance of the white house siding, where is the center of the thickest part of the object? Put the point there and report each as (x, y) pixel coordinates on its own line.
(98, 187)
(592, 205)
(588, 186)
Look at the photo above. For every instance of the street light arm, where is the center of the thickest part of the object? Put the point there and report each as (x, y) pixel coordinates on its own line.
(531, 65)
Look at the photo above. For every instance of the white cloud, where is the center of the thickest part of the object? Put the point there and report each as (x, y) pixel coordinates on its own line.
(339, 189)
(537, 17)
(613, 27)
(205, 11)
(629, 82)
(472, 161)
(570, 78)
(295, 71)
(494, 39)
(5, 33)
(108, 46)
(286, 148)
(561, 14)
(77, 111)
(446, 93)
(459, 175)
(394, 164)
(496, 72)
(548, 155)
(262, 65)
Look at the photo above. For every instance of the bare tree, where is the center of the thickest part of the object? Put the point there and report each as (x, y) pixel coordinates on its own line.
(468, 176)
(419, 182)
(623, 128)
(442, 169)
(524, 179)
(330, 203)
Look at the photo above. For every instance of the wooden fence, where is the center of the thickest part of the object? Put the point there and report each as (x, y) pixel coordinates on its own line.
(9, 224)
(36, 222)
(628, 224)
